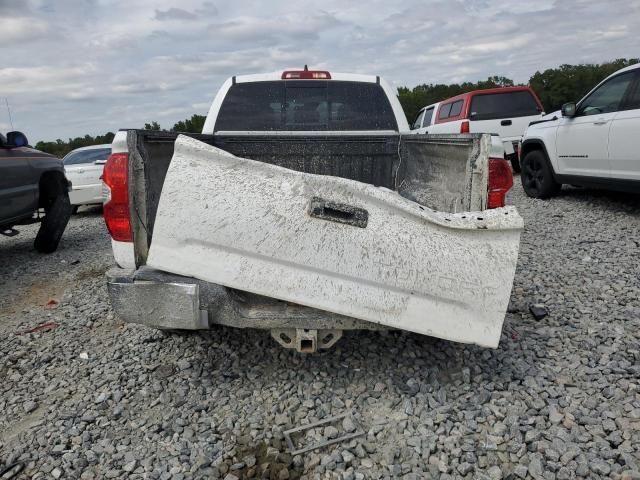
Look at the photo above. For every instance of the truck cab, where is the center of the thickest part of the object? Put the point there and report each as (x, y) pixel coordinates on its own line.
(425, 118)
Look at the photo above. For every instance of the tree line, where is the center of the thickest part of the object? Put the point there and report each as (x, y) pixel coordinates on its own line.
(553, 86)
(60, 148)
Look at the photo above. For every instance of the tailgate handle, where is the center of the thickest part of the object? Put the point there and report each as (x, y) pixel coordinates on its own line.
(338, 212)
(505, 123)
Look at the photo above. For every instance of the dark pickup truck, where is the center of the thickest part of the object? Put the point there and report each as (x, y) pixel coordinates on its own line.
(33, 188)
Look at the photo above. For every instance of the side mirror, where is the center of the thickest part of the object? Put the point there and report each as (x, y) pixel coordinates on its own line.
(99, 162)
(569, 110)
(17, 139)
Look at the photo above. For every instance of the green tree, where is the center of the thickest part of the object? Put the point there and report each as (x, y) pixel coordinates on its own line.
(60, 148)
(152, 126)
(569, 83)
(191, 125)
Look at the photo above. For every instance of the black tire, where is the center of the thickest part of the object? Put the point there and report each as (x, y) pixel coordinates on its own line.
(515, 163)
(537, 176)
(57, 214)
(74, 209)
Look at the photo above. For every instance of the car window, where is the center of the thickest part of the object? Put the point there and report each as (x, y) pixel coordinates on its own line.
(305, 105)
(444, 111)
(86, 156)
(428, 115)
(418, 122)
(456, 108)
(607, 97)
(632, 101)
(492, 106)
(450, 110)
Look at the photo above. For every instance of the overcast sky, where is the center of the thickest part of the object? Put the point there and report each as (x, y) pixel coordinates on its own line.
(92, 66)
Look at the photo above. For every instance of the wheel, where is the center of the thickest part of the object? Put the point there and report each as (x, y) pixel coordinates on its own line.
(74, 209)
(57, 213)
(537, 177)
(515, 163)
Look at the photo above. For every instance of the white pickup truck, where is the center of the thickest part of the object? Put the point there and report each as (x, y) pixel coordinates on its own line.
(304, 209)
(503, 111)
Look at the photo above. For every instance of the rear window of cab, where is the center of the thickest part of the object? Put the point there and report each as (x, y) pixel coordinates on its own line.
(503, 105)
(305, 105)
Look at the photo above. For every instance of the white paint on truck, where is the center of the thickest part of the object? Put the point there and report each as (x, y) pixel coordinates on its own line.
(251, 227)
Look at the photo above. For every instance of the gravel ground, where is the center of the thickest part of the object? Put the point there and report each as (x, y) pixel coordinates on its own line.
(559, 399)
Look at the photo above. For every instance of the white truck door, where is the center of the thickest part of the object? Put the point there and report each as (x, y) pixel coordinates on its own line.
(623, 145)
(582, 141)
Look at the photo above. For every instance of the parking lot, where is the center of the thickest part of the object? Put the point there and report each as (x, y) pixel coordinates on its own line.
(559, 399)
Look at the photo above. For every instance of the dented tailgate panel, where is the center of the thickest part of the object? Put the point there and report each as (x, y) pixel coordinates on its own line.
(335, 244)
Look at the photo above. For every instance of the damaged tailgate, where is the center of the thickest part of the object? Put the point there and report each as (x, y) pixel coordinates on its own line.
(335, 244)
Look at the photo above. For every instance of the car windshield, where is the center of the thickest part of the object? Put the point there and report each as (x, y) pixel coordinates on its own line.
(86, 156)
(503, 105)
(305, 105)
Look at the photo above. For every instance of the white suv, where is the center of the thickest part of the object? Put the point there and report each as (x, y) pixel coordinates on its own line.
(591, 143)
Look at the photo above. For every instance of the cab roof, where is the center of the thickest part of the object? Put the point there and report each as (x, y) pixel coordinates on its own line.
(277, 75)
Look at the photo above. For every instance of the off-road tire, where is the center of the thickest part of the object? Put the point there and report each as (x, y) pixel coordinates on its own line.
(57, 214)
(537, 176)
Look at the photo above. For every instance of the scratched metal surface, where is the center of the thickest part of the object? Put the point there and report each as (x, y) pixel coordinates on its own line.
(244, 224)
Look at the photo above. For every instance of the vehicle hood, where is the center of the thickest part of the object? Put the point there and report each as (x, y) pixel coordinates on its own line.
(548, 120)
(549, 116)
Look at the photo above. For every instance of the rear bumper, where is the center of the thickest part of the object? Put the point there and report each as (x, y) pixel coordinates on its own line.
(86, 194)
(156, 304)
(167, 301)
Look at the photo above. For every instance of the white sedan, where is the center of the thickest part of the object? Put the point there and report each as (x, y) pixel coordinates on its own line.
(83, 167)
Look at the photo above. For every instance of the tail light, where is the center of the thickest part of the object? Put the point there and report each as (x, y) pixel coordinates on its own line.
(464, 126)
(116, 209)
(305, 75)
(500, 182)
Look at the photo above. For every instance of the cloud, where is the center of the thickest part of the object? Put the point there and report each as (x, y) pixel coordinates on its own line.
(207, 9)
(21, 29)
(271, 29)
(175, 14)
(90, 66)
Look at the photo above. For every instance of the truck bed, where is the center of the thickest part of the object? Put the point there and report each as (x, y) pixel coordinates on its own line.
(438, 172)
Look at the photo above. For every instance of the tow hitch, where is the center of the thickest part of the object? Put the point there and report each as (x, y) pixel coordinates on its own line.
(306, 340)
